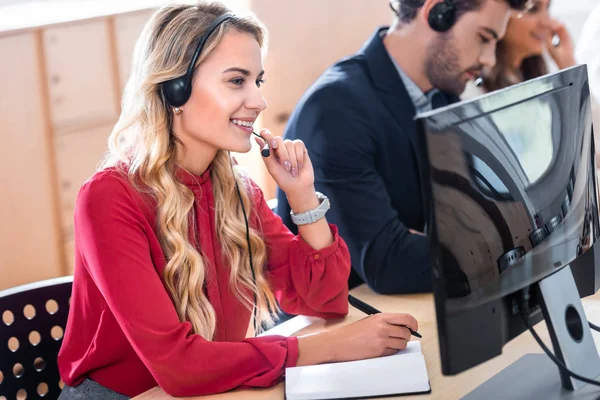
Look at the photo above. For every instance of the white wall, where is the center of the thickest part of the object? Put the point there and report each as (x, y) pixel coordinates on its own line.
(573, 13)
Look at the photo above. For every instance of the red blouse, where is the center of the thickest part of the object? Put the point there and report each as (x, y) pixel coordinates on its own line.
(123, 330)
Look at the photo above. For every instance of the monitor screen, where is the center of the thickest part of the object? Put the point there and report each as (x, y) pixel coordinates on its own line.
(511, 186)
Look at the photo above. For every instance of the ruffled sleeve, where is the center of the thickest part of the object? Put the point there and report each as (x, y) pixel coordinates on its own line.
(306, 281)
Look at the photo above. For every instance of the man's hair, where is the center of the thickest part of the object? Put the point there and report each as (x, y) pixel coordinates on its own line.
(407, 9)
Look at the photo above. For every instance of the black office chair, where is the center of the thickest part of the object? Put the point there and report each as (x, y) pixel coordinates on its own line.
(34, 318)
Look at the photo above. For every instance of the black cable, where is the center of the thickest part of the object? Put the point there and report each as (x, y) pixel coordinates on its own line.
(256, 332)
(594, 327)
(558, 363)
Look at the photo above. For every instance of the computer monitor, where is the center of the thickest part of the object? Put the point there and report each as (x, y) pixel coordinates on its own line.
(512, 212)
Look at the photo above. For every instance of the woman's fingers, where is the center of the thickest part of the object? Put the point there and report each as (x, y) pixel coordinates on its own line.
(401, 320)
(291, 151)
(267, 136)
(291, 155)
(396, 344)
(399, 332)
(281, 153)
(300, 151)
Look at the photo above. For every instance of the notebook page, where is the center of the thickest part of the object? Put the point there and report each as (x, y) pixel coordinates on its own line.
(404, 372)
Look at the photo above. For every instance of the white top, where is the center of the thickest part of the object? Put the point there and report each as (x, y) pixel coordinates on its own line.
(573, 14)
(472, 91)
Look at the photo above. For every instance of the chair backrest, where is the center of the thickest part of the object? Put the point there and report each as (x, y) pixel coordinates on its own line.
(34, 318)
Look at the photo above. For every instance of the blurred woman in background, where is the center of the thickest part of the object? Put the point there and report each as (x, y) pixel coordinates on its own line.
(519, 55)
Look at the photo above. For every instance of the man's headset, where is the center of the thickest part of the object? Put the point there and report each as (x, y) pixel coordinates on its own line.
(441, 17)
(178, 91)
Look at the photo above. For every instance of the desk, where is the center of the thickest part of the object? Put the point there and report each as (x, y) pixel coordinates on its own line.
(422, 307)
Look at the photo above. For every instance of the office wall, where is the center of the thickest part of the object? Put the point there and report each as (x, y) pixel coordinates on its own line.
(62, 75)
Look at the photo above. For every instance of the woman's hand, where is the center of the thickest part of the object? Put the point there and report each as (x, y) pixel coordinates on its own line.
(290, 167)
(375, 336)
(563, 54)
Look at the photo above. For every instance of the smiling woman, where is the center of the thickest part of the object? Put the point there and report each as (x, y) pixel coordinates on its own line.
(176, 249)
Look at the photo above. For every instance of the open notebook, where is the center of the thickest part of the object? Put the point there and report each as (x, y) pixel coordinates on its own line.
(401, 373)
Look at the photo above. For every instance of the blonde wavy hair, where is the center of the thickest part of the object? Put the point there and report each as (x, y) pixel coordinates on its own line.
(143, 144)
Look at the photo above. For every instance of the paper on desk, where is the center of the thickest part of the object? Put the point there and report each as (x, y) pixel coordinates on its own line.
(402, 373)
(412, 347)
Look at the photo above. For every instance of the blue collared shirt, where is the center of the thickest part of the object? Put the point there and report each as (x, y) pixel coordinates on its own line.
(420, 100)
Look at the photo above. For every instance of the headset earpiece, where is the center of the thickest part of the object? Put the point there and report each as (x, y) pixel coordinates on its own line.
(178, 91)
(442, 16)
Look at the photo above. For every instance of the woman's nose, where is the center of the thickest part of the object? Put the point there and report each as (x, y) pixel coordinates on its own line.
(545, 20)
(256, 101)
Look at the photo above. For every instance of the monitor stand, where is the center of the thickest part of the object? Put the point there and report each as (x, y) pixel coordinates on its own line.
(535, 376)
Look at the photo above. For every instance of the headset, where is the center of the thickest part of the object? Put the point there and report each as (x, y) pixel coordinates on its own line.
(178, 91)
(441, 17)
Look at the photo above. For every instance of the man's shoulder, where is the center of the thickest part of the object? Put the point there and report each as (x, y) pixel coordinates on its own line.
(346, 81)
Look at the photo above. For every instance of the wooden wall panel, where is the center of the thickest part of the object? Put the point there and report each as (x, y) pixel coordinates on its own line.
(306, 37)
(28, 237)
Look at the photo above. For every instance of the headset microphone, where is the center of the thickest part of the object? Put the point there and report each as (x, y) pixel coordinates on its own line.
(265, 151)
(479, 81)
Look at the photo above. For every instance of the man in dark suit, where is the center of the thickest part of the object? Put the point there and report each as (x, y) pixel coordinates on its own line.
(357, 123)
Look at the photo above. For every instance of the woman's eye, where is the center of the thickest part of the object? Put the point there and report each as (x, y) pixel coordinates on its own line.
(238, 81)
(484, 39)
(260, 82)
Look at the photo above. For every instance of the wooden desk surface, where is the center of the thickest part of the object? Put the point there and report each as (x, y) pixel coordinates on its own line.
(422, 307)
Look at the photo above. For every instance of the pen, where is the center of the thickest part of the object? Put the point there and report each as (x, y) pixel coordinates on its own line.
(369, 310)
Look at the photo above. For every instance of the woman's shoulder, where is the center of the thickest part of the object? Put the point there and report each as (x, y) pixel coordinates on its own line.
(112, 180)
(112, 186)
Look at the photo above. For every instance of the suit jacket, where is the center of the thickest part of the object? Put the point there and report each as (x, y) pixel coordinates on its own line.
(357, 124)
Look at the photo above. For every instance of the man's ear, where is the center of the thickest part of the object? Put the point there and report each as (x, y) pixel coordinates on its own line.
(425, 11)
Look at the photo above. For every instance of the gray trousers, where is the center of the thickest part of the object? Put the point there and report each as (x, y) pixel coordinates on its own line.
(90, 390)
